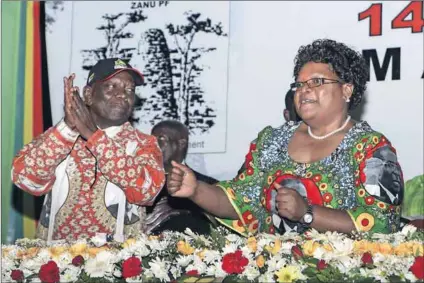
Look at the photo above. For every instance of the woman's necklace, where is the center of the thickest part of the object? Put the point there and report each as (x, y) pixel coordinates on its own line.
(330, 133)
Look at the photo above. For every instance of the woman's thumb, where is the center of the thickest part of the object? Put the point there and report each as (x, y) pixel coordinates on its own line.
(180, 166)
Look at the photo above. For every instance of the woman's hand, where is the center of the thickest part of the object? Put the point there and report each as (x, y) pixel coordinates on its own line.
(290, 203)
(181, 181)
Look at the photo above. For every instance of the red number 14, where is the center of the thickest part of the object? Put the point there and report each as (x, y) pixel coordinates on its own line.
(374, 12)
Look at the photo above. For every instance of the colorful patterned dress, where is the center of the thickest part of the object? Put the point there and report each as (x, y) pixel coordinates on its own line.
(96, 187)
(362, 176)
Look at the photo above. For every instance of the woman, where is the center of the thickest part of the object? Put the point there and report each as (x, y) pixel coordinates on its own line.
(327, 172)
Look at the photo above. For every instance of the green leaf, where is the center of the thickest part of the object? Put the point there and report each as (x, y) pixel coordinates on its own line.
(310, 271)
(395, 278)
(322, 278)
(311, 261)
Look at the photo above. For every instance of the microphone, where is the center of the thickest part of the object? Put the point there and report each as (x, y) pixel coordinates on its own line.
(287, 225)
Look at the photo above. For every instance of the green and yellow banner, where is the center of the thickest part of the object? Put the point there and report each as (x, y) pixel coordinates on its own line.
(21, 109)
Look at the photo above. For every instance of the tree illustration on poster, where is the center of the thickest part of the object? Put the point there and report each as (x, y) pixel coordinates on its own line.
(52, 8)
(189, 92)
(171, 73)
(114, 33)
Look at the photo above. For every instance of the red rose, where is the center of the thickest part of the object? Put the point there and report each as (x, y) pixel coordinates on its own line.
(321, 264)
(78, 261)
(49, 272)
(367, 258)
(418, 267)
(296, 252)
(17, 275)
(193, 272)
(234, 263)
(131, 267)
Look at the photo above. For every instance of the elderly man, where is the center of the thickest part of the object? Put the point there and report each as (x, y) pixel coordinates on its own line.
(171, 213)
(98, 171)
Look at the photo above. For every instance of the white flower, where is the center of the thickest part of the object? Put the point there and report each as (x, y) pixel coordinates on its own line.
(211, 270)
(216, 270)
(64, 260)
(140, 249)
(321, 253)
(232, 237)
(375, 273)
(343, 247)
(394, 265)
(197, 237)
(43, 255)
(410, 277)
(117, 273)
(286, 247)
(247, 253)
(7, 264)
(159, 269)
(230, 248)
(176, 272)
(378, 258)
(71, 274)
(267, 277)
(185, 260)
(262, 243)
(408, 230)
(198, 265)
(346, 263)
(276, 263)
(30, 266)
(251, 272)
(124, 254)
(99, 240)
(211, 256)
(135, 279)
(158, 246)
(6, 267)
(101, 265)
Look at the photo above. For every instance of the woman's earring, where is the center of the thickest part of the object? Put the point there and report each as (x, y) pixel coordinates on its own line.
(347, 100)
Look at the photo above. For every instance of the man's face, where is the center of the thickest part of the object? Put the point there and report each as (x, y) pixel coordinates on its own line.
(113, 100)
(168, 145)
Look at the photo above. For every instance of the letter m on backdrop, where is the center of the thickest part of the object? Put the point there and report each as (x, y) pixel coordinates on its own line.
(391, 55)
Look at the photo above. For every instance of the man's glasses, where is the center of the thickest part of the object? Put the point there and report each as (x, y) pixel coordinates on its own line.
(314, 82)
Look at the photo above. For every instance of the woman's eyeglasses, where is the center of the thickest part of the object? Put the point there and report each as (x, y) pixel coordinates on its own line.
(314, 82)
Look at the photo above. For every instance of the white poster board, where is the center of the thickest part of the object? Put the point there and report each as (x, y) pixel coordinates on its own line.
(180, 47)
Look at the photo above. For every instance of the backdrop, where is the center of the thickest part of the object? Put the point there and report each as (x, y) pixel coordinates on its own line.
(231, 64)
(222, 68)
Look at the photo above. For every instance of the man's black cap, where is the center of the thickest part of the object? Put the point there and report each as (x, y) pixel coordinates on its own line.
(107, 68)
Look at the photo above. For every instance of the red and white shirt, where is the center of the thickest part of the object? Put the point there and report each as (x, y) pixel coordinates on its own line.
(98, 186)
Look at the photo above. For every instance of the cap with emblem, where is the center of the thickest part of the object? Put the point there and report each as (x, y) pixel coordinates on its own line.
(107, 68)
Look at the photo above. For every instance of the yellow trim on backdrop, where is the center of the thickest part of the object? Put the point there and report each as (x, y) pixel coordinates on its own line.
(28, 200)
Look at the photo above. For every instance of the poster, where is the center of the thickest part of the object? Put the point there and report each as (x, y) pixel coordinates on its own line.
(181, 47)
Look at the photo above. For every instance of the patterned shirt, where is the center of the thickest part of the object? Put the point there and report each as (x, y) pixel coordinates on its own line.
(362, 176)
(94, 187)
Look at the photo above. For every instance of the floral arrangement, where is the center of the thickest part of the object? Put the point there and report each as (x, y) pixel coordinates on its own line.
(221, 257)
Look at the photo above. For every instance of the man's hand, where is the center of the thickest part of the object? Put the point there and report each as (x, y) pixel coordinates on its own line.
(83, 121)
(68, 86)
(181, 181)
(290, 203)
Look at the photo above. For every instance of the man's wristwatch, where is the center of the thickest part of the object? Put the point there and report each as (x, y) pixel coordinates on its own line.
(308, 217)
